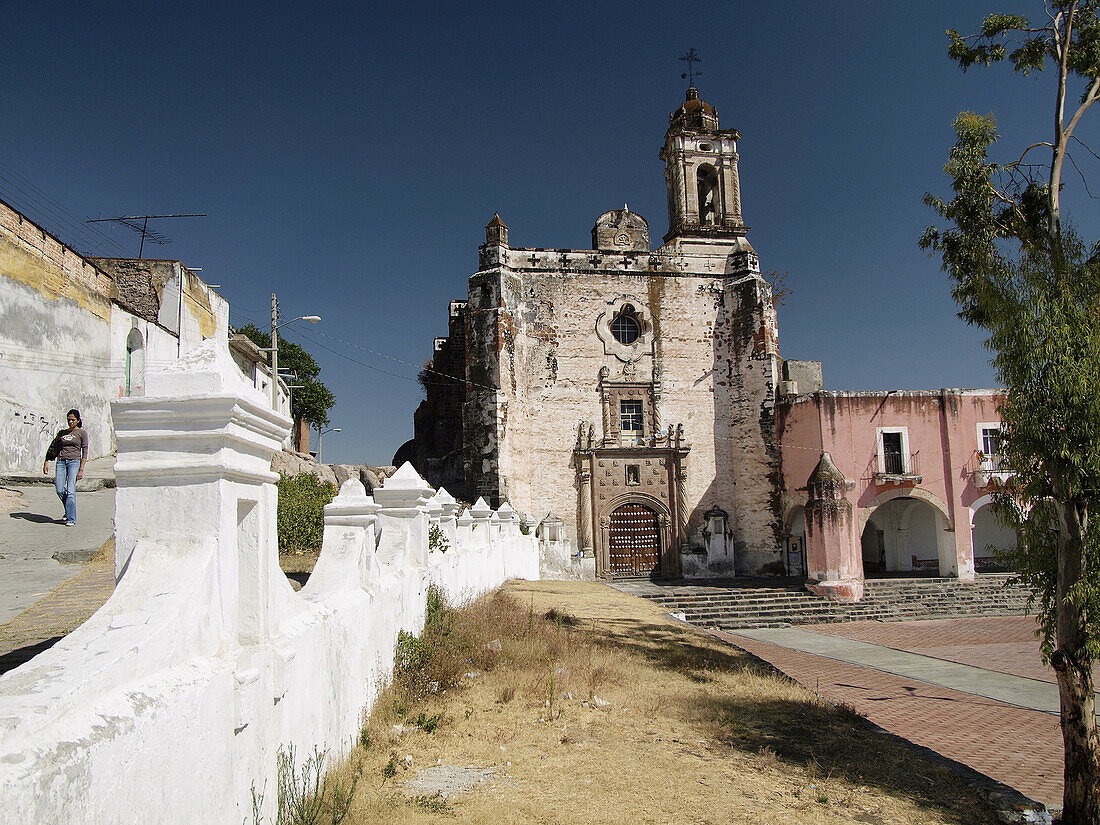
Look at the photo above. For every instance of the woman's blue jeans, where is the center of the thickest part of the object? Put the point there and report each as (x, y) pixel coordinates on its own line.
(64, 479)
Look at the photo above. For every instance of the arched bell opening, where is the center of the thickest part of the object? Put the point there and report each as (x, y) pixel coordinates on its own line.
(707, 183)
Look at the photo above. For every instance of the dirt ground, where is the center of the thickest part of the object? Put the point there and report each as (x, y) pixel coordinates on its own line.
(573, 703)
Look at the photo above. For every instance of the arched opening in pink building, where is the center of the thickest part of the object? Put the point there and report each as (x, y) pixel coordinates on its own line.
(795, 541)
(906, 536)
(991, 537)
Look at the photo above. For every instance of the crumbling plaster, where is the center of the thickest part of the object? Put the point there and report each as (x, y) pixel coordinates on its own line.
(713, 372)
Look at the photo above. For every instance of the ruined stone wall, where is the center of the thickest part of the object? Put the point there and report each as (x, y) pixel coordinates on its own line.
(437, 445)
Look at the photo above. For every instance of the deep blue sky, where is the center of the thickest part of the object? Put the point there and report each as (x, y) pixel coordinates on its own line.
(350, 154)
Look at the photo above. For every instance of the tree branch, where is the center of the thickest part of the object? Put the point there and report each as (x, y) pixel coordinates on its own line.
(1028, 149)
(1092, 96)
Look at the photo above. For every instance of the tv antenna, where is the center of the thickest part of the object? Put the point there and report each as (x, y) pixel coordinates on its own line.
(692, 57)
(131, 222)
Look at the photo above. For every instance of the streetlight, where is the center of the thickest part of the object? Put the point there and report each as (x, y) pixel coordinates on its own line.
(275, 325)
(320, 433)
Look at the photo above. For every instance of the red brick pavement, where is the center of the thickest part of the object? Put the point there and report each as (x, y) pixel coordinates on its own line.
(1006, 644)
(1021, 748)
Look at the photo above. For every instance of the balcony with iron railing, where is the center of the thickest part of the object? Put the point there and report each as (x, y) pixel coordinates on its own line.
(989, 469)
(892, 467)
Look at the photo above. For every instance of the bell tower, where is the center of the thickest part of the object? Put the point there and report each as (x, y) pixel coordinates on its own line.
(704, 194)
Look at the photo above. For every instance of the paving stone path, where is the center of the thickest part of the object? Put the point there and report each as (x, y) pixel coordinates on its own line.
(931, 682)
(61, 611)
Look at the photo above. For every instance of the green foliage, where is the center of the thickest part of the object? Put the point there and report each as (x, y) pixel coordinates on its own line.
(437, 539)
(1040, 322)
(426, 723)
(389, 770)
(311, 401)
(1034, 287)
(437, 613)
(307, 794)
(301, 514)
(1033, 45)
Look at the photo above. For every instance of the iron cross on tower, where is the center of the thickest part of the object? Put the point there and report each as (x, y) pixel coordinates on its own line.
(692, 57)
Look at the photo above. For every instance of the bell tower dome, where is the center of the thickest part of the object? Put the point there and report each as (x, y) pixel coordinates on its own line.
(704, 194)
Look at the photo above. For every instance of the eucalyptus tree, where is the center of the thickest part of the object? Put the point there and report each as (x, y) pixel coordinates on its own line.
(1022, 275)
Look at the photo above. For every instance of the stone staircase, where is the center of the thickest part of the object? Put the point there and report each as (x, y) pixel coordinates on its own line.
(753, 604)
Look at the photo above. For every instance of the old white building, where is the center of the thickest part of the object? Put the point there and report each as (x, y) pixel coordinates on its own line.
(79, 332)
(629, 390)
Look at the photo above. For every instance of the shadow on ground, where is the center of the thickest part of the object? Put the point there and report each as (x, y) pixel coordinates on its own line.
(829, 741)
(37, 518)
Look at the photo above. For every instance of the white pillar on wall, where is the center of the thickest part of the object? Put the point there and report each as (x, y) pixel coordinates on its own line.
(194, 469)
(402, 516)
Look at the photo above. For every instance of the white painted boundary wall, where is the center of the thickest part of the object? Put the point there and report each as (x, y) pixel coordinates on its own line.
(175, 698)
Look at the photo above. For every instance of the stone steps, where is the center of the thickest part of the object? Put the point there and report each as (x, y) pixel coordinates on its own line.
(734, 607)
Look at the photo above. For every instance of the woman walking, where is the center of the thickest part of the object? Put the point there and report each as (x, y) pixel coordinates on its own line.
(70, 449)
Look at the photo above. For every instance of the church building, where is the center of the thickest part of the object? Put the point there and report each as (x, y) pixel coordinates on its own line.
(636, 395)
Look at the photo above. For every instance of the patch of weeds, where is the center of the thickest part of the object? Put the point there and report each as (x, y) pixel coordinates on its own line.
(846, 709)
(306, 794)
(364, 739)
(426, 723)
(437, 539)
(389, 770)
(432, 803)
(436, 609)
(597, 676)
(560, 619)
(506, 694)
(412, 653)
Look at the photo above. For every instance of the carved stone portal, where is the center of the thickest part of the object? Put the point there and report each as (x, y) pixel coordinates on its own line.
(634, 493)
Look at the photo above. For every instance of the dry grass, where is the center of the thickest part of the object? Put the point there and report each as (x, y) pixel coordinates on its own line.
(298, 562)
(596, 709)
(105, 554)
(11, 500)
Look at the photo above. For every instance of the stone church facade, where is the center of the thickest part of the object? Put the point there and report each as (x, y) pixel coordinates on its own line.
(627, 389)
(636, 396)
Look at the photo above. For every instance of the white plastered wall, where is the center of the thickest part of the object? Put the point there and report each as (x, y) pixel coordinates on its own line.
(204, 663)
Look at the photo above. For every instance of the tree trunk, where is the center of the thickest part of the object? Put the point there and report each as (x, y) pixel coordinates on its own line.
(1080, 805)
(1082, 746)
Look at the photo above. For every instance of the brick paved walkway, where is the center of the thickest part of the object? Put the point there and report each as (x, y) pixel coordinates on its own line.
(59, 612)
(1019, 747)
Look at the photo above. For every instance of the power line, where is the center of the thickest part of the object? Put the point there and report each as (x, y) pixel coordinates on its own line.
(74, 223)
(39, 202)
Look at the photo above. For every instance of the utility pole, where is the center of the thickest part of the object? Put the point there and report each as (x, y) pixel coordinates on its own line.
(274, 353)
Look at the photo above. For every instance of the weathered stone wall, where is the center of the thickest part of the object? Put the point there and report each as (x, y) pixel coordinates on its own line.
(437, 447)
(55, 318)
(532, 331)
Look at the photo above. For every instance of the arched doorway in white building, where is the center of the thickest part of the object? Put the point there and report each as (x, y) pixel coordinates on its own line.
(135, 363)
(991, 537)
(907, 536)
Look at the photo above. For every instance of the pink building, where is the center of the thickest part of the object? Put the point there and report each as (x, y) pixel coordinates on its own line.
(889, 483)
